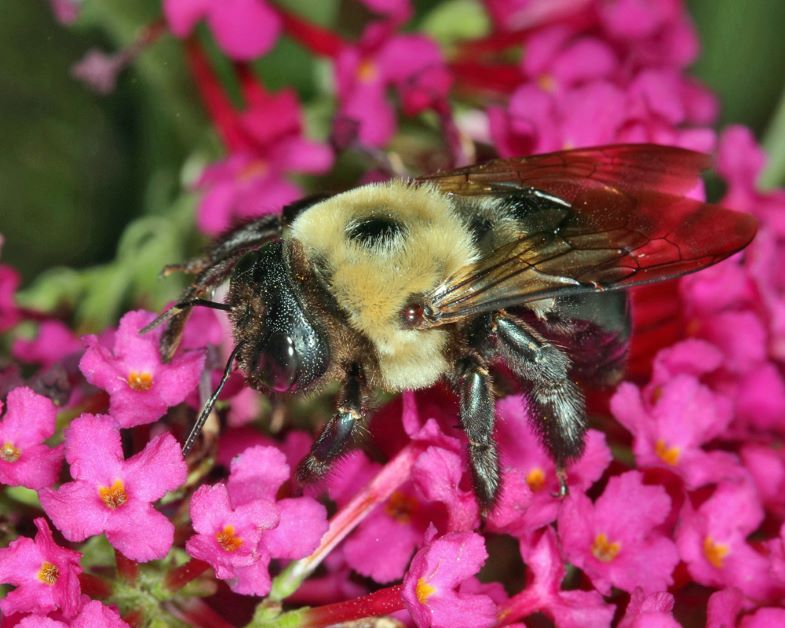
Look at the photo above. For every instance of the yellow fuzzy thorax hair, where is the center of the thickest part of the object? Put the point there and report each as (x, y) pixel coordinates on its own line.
(372, 282)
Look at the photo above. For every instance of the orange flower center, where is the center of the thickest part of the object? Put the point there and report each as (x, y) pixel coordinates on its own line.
(400, 507)
(715, 552)
(228, 540)
(603, 549)
(424, 590)
(9, 453)
(256, 168)
(669, 455)
(535, 479)
(367, 71)
(48, 573)
(140, 380)
(113, 496)
(546, 83)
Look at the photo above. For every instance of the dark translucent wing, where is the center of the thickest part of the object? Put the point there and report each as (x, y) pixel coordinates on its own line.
(627, 226)
(627, 167)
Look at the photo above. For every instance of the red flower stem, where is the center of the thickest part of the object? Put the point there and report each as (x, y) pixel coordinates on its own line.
(452, 136)
(518, 606)
(177, 578)
(93, 586)
(218, 105)
(382, 602)
(195, 612)
(252, 87)
(392, 475)
(496, 77)
(315, 38)
(127, 569)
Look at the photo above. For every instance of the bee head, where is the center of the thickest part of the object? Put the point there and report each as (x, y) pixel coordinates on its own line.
(283, 348)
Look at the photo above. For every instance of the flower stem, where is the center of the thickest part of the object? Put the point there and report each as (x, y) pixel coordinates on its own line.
(182, 575)
(127, 569)
(315, 38)
(392, 475)
(382, 602)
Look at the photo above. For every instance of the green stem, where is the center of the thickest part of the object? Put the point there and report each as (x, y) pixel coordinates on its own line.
(774, 144)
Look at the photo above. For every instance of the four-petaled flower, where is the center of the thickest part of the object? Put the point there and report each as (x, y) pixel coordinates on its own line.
(140, 385)
(46, 576)
(113, 495)
(24, 458)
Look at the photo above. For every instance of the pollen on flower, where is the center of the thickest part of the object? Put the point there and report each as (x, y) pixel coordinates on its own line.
(400, 507)
(535, 479)
(424, 590)
(228, 540)
(140, 380)
(603, 549)
(9, 453)
(367, 71)
(715, 552)
(546, 82)
(669, 455)
(113, 496)
(48, 573)
(252, 170)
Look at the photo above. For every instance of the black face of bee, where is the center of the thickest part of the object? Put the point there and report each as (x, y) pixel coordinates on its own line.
(283, 349)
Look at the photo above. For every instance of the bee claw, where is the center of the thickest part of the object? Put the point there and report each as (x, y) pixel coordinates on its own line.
(564, 490)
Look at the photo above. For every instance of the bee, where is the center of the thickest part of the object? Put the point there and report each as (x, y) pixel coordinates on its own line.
(398, 285)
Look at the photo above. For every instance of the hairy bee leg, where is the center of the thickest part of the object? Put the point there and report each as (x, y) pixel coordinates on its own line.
(212, 268)
(478, 415)
(341, 432)
(556, 402)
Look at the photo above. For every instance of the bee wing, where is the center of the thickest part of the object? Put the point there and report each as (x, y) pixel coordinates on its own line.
(623, 223)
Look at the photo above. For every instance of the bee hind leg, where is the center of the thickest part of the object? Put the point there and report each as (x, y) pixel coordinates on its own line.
(473, 385)
(342, 431)
(556, 403)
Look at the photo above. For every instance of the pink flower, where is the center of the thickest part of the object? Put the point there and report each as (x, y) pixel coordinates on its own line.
(410, 63)
(65, 11)
(723, 607)
(54, 341)
(46, 576)
(24, 458)
(615, 541)
(113, 495)
(529, 484)
(141, 387)
(244, 29)
(670, 429)
(712, 541)
(250, 182)
(9, 313)
(543, 594)
(432, 586)
(240, 526)
(93, 614)
(654, 610)
(99, 70)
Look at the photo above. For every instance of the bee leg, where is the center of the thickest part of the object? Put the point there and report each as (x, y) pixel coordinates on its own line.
(211, 269)
(342, 430)
(478, 414)
(556, 402)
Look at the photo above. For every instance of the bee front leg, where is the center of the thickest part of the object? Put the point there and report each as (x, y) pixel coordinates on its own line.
(556, 402)
(473, 385)
(341, 432)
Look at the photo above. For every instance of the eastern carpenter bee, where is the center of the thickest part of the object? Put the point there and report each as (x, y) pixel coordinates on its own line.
(396, 285)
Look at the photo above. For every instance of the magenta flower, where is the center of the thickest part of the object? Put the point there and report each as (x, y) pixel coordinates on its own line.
(431, 587)
(93, 614)
(65, 11)
(46, 576)
(615, 541)
(543, 594)
(670, 429)
(9, 313)
(244, 29)
(363, 73)
(24, 458)
(141, 387)
(529, 484)
(655, 609)
(54, 341)
(240, 526)
(113, 495)
(712, 541)
(251, 181)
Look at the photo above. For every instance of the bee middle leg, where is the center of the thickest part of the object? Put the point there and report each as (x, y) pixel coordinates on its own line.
(556, 402)
(342, 431)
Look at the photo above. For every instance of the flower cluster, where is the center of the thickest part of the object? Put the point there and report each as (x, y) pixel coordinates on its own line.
(674, 505)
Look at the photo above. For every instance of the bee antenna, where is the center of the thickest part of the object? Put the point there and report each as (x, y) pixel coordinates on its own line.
(208, 406)
(179, 307)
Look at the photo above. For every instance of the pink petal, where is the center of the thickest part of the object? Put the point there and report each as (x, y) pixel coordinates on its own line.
(257, 473)
(37, 467)
(157, 469)
(182, 15)
(93, 449)
(75, 509)
(29, 418)
(303, 522)
(140, 532)
(244, 29)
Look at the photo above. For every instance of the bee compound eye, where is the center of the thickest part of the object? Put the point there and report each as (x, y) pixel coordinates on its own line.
(278, 363)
